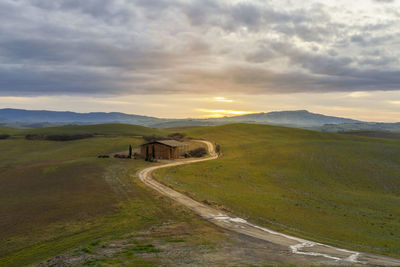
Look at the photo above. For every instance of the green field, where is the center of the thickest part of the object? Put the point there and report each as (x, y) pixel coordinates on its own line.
(100, 129)
(58, 196)
(337, 189)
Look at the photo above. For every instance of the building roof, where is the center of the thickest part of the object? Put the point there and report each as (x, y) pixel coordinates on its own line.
(171, 143)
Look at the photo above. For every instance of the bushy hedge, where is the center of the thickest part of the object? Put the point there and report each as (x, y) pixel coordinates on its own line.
(4, 136)
(198, 152)
(152, 138)
(177, 136)
(57, 137)
(173, 136)
(120, 156)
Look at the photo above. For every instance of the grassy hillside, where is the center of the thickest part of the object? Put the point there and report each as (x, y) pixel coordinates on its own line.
(6, 130)
(338, 189)
(51, 190)
(57, 196)
(376, 134)
(105, 129)
(366, 126)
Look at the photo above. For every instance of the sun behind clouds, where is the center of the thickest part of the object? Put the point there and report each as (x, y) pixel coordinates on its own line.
(219, 113)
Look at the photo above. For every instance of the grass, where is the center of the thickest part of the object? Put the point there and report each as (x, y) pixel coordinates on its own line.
(56, 196)
(143, 248)
(6, 130)
(338, 189)
(104, 129)
(99, 129)
(376, 134)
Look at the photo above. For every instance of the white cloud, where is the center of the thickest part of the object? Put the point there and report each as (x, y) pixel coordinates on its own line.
(359, 94)
(223, 99)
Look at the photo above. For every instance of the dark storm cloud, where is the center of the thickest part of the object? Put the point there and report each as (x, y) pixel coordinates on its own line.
(105, 10)
(153, 46)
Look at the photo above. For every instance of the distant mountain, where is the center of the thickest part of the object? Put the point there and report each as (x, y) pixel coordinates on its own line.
(67, 117)
(297, 118)
(19, 118)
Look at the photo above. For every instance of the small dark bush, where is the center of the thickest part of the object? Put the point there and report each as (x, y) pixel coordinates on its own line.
(103, 156)
(177, 136)
(152, 138)
(217, 148)
(174, 136)
(198, 152)
(119, 156)
(4, 136)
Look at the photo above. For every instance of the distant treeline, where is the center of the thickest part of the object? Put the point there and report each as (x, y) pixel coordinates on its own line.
(58, 137)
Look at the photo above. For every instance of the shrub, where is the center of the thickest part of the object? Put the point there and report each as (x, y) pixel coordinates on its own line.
(152, 138)
(198, 152)
(120, 156)
(177, 136)
(4, 136)
(217, 148)
(174, 136)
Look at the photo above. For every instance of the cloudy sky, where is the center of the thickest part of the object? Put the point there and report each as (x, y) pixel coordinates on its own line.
(202, 58)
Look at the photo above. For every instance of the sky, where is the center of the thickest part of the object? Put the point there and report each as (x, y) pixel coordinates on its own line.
(202, 58)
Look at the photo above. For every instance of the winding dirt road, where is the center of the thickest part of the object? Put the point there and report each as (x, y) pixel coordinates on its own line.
(316, 253)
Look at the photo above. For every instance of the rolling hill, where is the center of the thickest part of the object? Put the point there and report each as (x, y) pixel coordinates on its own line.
(100, 129)
(301, 118)
(339, 189)
(16, 118)
(43, 116)
(57, 197)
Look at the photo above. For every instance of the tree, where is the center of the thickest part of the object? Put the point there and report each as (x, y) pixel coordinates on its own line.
(217, 148)
(130, 151)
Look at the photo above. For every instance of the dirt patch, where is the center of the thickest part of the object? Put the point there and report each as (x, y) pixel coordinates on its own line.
(180, 244)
